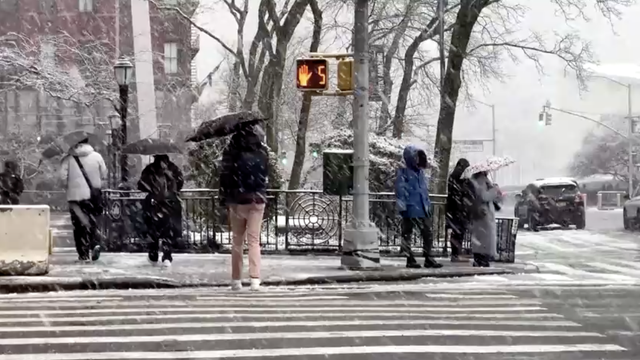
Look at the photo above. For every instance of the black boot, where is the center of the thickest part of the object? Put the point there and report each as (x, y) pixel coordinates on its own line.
(429, 263)
(412, 263)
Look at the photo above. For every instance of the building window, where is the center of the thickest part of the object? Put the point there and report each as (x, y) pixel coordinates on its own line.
(48, 7)
(170, 58)
(9, 5)
(85, 5)
(47, 53)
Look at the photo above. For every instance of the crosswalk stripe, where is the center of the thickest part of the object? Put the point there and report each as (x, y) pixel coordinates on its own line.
(614, 268)
(322, 351)
(249, 310)
(306, 323)
(197, 315)
(553, 277)
(225, 304)
(581, 273)
(288, 335)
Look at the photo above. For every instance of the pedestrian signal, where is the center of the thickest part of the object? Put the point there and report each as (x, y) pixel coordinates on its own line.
(345, 75)
(312, 74)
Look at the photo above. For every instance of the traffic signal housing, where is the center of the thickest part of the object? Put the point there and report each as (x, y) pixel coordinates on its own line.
(312, 74)
(346, 81)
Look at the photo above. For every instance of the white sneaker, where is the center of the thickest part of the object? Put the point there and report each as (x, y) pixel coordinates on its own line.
(255, 284)
(166, 263)
(236, 285)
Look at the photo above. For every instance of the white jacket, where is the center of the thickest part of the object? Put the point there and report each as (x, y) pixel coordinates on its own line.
(93, 163)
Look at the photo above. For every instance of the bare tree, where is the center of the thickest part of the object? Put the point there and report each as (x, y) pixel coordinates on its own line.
(305, 108)
(87, 81)
(475, 29)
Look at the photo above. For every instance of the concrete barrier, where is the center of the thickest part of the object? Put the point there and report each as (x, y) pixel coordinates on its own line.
(24, 240)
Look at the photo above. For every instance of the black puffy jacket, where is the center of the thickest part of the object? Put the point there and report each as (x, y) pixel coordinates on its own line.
(245, 169)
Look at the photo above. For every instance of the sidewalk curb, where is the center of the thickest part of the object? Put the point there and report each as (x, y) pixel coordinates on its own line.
(36, 284)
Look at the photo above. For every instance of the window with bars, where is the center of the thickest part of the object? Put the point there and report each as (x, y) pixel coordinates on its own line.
(170, 58)
(85, 5)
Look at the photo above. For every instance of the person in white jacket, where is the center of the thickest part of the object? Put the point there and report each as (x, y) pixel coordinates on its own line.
(83, 210)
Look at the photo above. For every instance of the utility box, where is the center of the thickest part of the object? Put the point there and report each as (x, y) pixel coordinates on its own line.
(337, 172)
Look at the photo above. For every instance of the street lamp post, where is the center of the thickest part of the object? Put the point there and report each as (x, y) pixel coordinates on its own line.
(115, 138)
(123, 71)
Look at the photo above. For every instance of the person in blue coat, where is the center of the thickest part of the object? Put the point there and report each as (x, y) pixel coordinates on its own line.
(412, 198)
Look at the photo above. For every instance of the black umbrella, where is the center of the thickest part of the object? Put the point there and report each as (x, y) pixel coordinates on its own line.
(225, 125)
(152, 147)
(73, 138)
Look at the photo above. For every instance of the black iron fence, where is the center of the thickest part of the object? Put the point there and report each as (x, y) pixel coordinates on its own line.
(294, 221)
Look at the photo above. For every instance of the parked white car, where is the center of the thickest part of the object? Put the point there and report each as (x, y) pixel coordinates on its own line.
(630, 213)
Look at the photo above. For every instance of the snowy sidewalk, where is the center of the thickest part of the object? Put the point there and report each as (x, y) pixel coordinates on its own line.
(124, 270)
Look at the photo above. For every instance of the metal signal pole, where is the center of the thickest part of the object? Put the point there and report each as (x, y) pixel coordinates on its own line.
(361, 249)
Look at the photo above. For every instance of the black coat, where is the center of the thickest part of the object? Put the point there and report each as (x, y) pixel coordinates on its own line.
(245, 169)
(162, 208)
(11, 185)
(459, 198)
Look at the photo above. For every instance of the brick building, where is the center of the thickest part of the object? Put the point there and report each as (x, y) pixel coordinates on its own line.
(109, 23)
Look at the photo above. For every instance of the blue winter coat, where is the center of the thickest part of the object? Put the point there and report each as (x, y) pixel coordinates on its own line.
(412, 187)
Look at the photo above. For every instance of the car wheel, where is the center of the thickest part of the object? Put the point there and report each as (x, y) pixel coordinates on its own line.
(533, 224)
(581, 222)
(625, 221)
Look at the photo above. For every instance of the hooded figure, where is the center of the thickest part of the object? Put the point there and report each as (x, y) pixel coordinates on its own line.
(79, 194)
(412, 198)
(162, 180)
(243, 187)
(459, 200)
(11, 185)
(483, 226)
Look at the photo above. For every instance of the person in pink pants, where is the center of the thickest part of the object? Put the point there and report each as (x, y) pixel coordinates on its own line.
(243, 187)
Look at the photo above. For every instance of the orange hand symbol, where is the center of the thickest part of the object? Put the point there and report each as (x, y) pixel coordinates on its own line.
(304, 75)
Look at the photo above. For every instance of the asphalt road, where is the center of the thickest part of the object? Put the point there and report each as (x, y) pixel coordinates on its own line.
(439, 320)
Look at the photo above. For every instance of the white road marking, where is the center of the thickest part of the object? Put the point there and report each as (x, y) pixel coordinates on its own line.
(296, 304)
(28, 300)
(249, 310)
(270, 298)
(552, 277)
(321, 351)
(304, 323)
(46, 320)
(581, 273)
(286, 335)
(623, 270)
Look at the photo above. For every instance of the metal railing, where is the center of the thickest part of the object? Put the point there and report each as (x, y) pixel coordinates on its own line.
(608, 200)
(294, 221)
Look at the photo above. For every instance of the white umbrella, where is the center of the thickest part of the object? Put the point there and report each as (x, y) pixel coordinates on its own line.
(491, 164)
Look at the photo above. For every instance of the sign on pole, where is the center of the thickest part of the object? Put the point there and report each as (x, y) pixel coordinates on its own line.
(312, 74)
(467, 146)
(376, 59)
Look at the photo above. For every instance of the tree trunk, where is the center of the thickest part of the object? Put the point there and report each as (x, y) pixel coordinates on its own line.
(407, 76)
(234, 88)
(387, 81)
(305, 108)
(462, 28)
(271, 85)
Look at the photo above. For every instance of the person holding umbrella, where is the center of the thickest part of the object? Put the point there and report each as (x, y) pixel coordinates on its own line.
(84, 169)
(483, 207)
(243, 185)
(162, 180)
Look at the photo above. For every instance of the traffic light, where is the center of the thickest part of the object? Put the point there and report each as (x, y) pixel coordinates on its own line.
(312, 74)
(346, 75)
(541, 118)
(548, 119)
